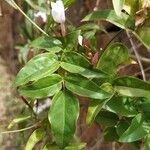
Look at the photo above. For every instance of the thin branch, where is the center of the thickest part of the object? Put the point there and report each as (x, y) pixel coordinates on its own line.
(21, 130)
(137, 55)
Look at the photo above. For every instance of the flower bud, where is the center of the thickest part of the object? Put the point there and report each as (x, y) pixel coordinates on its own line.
(80, 40)
(58, 11)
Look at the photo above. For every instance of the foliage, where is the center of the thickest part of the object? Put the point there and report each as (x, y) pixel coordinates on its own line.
(61, 69)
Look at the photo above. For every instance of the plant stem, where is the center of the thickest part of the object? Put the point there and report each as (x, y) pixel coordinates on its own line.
(137, 55)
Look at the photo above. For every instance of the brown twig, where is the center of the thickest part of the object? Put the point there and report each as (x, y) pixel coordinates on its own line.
(137, 55)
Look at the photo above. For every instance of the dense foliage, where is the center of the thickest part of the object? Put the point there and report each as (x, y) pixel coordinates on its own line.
(64, 70)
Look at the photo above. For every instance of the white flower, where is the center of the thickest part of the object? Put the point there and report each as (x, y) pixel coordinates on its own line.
(41, 14)
(80, 40)
(58, 11)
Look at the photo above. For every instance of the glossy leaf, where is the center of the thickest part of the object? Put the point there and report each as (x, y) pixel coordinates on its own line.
(76, 63)
(107, 118)
(133, 87)
(44, 87)
(112, 57)
(110, 16)
(35, 137)
(121, 106)
(118, 4)
(135, 131)
(84, 87)
(38, 67)
(47, 43)
(63, 117)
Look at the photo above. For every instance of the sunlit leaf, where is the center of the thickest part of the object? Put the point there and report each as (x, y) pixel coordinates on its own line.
(133, 87)
(38, 67)
(76, 63)
(135, 131)
(41, 88)
(85, 87)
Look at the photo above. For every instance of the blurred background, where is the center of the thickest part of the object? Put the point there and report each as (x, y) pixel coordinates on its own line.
(11, 22)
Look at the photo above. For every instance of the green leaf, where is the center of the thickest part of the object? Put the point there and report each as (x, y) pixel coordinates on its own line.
(63, 116)
(41, 88)
(110, 134)
(142, 34)
(122, 126)
(121, 105)
(118, 4)
(35, 137)
(85, 87)
(147, 142)
(67, 3)
(133, 87)
(79, 146)
(71, 40)
(131, 7)
(91, 26)
(112, 57)
(47, 43)
(51, 147)
(110, 16)
(38, 67)
(93, 109)
(107, 118)
(76, 63)
(135, 131)
(18, 120)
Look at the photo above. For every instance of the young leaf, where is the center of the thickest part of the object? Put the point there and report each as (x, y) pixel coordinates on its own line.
(44, 87)
(38, 67)
(35, 137)
(110, 16)
(63, 116)
(112, 57)
(76, 63)
(118, 4)
(133, 87)
(85, 87)
(47, 43)
(135, 131)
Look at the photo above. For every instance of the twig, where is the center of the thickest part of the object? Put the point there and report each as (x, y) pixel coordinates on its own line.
(137, 55)
(21, 130)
